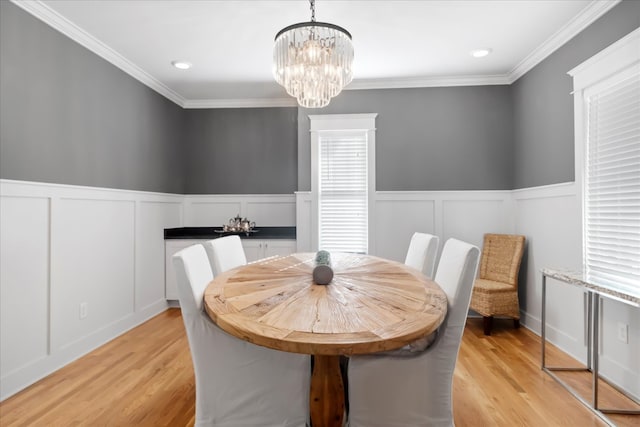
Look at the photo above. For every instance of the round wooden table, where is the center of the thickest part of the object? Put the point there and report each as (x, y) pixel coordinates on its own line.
(371, 305)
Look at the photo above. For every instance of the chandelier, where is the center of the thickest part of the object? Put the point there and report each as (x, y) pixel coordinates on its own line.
(312, 60)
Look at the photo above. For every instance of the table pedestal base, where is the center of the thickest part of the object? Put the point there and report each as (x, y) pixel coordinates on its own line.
(326, 398)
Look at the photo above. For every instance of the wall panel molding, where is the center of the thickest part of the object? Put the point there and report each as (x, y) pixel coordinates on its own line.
(398, 214)
(263, 209)
(549, 216)
(54, 238)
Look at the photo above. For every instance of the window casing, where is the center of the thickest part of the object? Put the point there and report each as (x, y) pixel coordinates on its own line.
(342, 182)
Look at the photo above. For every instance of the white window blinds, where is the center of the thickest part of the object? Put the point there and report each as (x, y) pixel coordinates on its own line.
(612, 183)
(342, 196)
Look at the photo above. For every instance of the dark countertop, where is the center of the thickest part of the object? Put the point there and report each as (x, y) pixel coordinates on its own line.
(209, 233)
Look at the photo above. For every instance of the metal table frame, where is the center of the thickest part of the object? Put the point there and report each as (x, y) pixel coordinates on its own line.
(593, 310)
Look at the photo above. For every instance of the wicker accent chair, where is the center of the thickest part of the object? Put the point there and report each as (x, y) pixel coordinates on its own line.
(495, 292)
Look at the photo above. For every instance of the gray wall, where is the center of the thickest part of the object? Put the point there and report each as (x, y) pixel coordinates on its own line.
(543, 105)
(241, 151)
(68, 116)
(453, 138)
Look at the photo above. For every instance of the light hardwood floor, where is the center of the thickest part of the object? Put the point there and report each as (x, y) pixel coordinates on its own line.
(145, 378)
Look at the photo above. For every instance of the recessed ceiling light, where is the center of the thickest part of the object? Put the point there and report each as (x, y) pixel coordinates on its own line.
(182, 65)
(480, 53)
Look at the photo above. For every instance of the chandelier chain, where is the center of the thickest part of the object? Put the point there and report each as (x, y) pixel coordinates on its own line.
(313, 10)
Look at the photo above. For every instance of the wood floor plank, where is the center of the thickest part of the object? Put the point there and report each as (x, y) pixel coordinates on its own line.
(145, 378)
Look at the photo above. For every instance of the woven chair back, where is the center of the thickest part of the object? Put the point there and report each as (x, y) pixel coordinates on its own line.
(501, 257)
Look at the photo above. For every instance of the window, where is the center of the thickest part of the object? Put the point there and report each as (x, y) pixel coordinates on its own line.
(342, 153)
(608, 135)
(612, 183)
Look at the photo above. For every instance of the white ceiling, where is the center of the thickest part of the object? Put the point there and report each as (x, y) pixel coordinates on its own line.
(397, 43)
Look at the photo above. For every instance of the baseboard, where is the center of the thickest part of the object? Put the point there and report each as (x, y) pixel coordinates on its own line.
(27, 375)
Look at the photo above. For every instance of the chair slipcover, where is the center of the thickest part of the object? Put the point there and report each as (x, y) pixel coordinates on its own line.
(237, 383)
(422, 252)
(417, 391)
(225, 253)
(421, 255)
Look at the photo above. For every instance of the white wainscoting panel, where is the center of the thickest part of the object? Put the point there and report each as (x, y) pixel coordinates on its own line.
(263, 209)
(272, 211)
(24, 282)
(92, 259)
(153, 216)
(550, 217)
(620, 361)
(119, 269)
(468, 220)
(398, 216)
(465, 215)
(64, 245)
(304, 223)
(200, 211)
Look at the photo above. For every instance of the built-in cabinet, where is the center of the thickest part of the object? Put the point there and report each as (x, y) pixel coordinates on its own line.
(258, 249)
(253, 249)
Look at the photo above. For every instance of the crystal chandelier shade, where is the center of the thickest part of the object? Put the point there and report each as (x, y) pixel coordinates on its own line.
(312, 61)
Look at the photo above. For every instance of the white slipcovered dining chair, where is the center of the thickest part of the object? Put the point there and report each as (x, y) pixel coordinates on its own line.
(422, 252)
(225, 253)
(388, 391)
(237, 383)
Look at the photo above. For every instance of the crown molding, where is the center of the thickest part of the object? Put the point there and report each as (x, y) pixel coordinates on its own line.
(239, 103)
(417, 82)
(586, 17)
(77, 34)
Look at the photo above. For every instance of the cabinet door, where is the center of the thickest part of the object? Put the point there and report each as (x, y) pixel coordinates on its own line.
(279, 247)
(170, 282)
(253, 249)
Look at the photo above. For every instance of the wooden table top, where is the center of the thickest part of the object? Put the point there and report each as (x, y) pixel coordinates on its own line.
(371, 305)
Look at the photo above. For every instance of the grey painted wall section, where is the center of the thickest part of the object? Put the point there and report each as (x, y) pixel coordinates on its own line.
(68, 116)
(452, 138)
(543, 104)
(241, 151)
